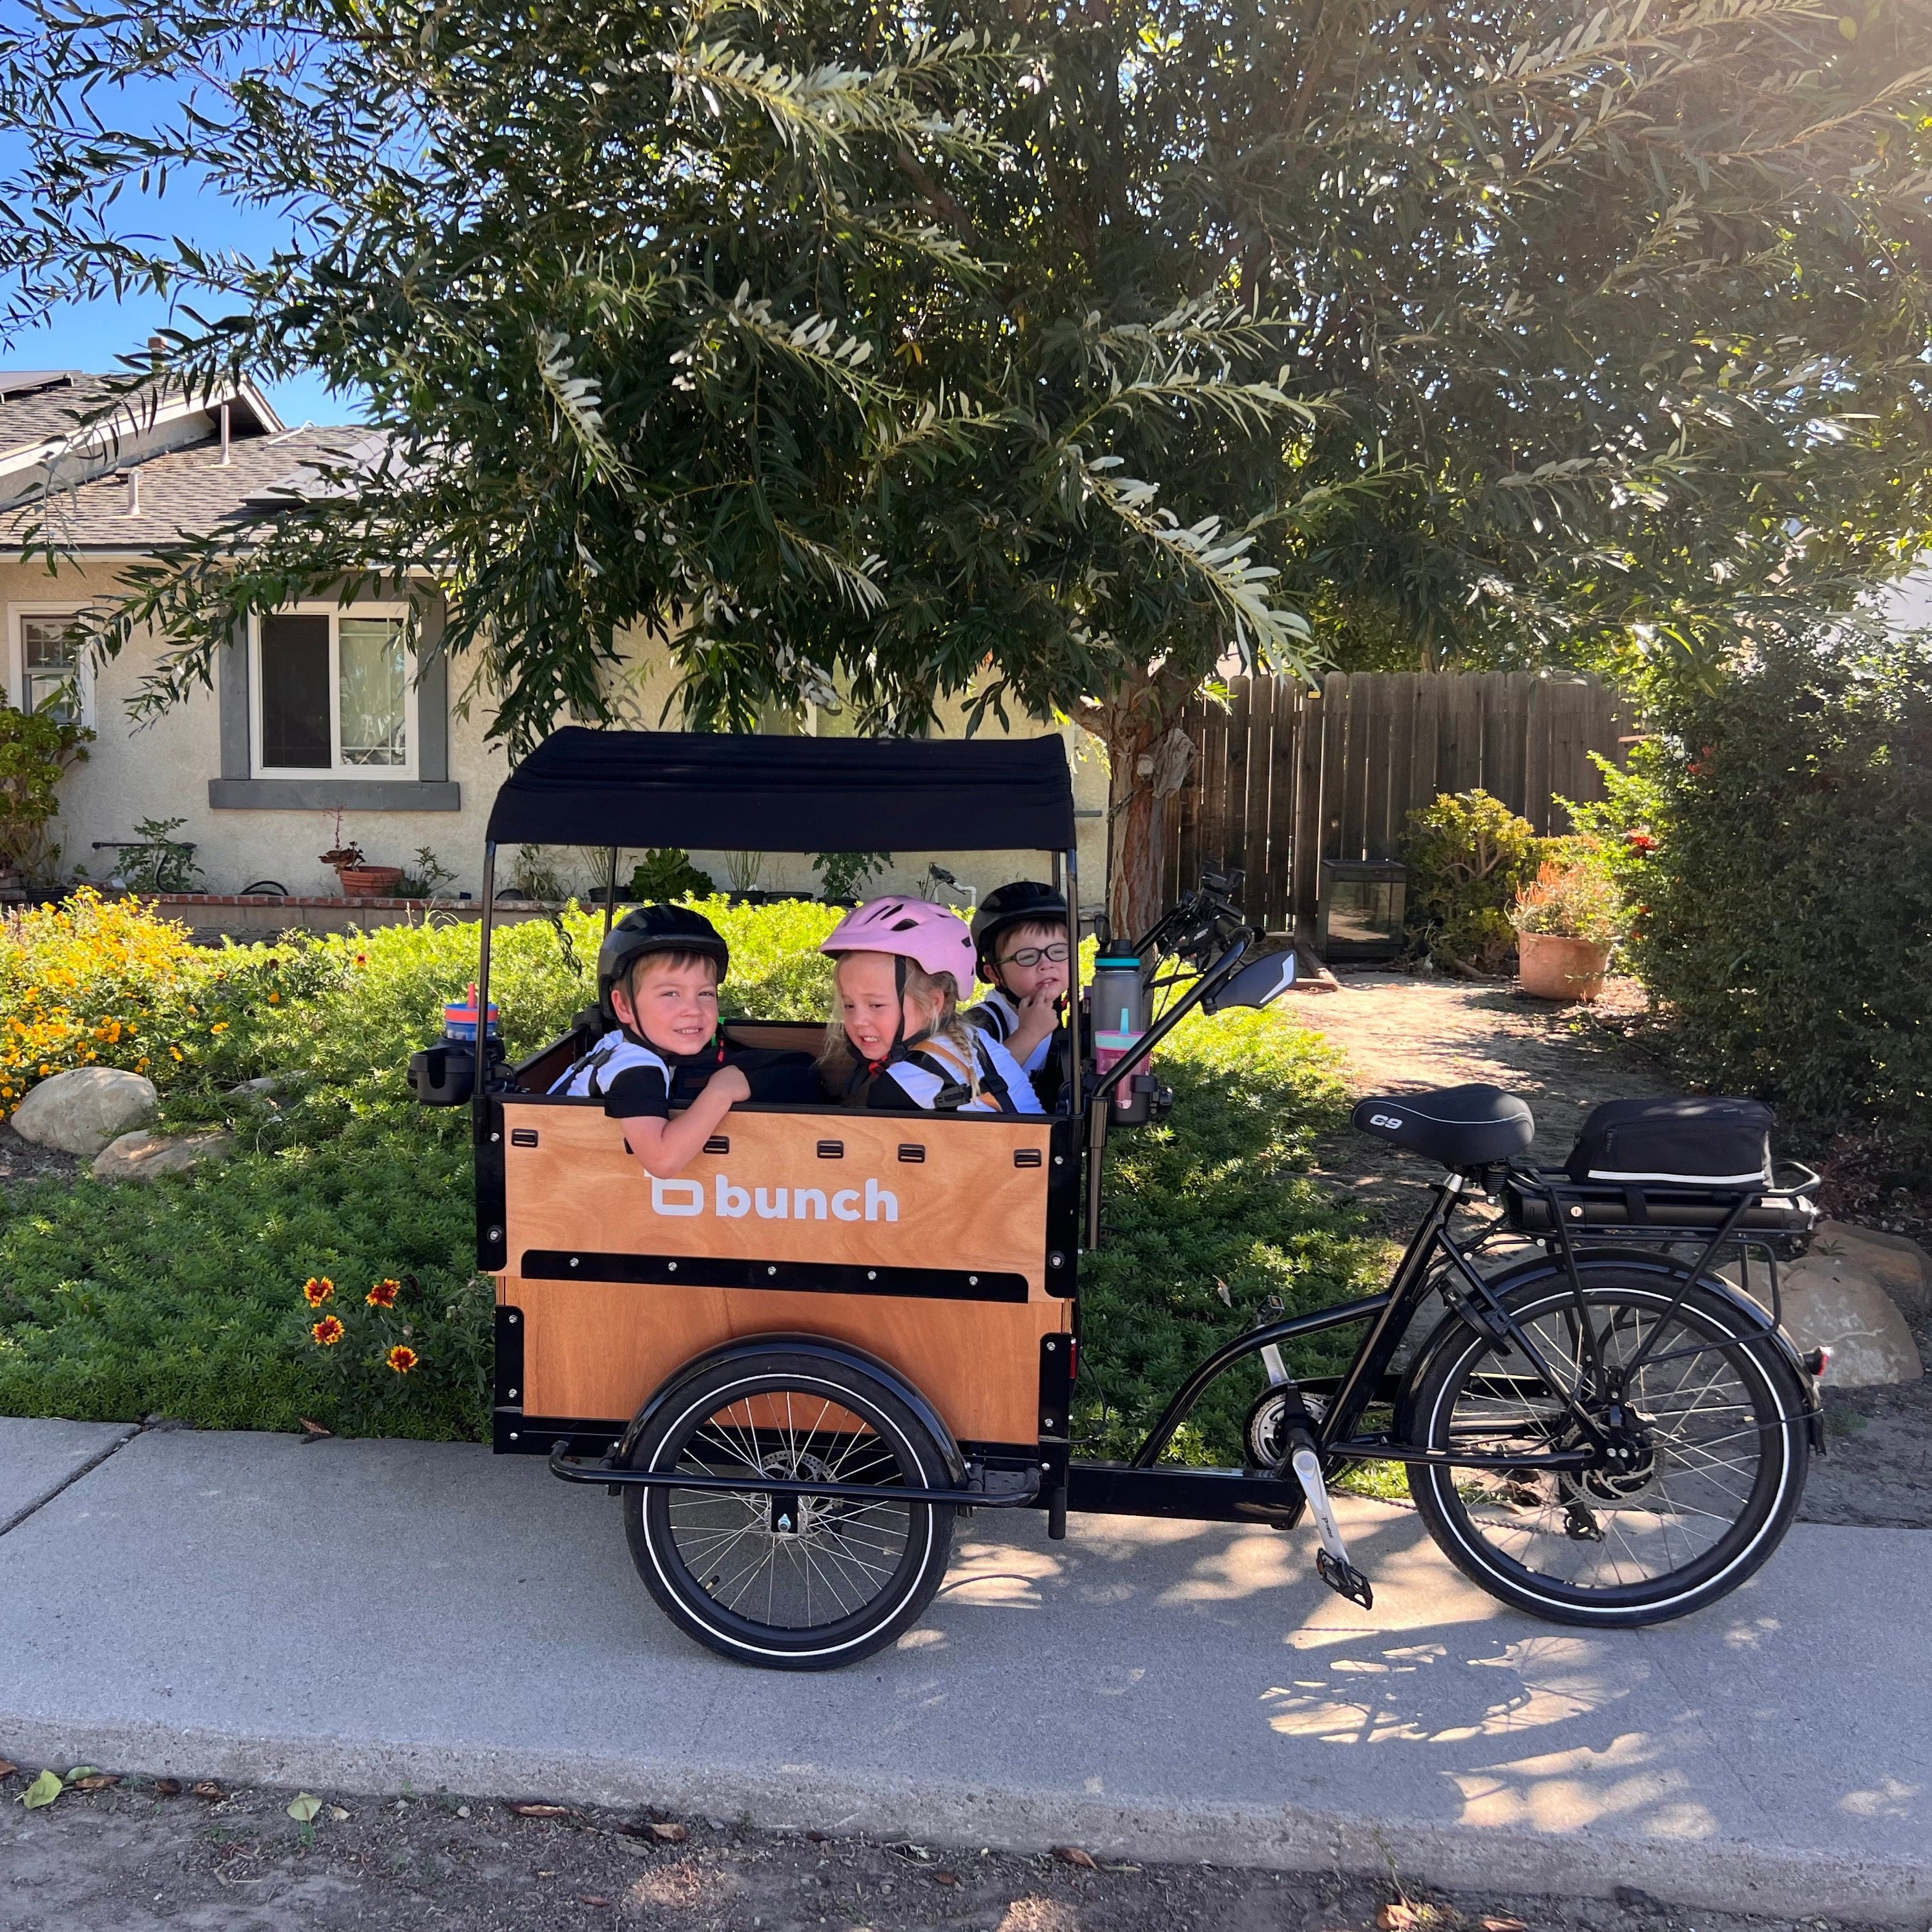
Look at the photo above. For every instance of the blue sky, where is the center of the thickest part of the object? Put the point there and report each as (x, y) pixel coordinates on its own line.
(90, 335)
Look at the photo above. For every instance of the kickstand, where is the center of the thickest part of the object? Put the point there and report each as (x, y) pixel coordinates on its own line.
(1331, 1560)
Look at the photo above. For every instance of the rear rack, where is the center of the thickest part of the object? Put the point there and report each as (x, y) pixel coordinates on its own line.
(1540, 1203)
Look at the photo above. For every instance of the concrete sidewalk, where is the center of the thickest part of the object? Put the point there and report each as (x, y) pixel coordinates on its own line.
(362, 1615)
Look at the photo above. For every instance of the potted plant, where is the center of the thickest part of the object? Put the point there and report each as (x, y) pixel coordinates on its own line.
(1566, 921)
(359, 879)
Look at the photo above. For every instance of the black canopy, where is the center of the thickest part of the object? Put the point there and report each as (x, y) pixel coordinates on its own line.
(719, 793)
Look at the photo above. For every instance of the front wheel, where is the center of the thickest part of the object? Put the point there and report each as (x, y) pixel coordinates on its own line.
(768, 1576)
(1703, 1449)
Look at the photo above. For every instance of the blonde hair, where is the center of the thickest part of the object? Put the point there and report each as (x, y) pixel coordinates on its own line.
(840, 1062)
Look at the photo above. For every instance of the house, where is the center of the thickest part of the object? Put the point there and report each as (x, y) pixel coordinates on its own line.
(319, 710)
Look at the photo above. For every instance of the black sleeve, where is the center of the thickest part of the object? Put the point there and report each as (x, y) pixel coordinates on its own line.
(637, 1092)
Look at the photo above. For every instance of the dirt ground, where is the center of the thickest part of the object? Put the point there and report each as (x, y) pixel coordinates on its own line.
(137, 1858)
(1402, 1032)
(22, 1161)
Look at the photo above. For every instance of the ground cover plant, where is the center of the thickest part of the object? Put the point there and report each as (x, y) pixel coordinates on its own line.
(280, 1284)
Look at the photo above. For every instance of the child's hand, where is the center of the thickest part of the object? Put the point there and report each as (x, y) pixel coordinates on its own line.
(729, 1084)
(1038, 1016)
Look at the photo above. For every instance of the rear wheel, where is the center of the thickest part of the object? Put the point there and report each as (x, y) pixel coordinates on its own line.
(791, 1581)
(1705, 1456)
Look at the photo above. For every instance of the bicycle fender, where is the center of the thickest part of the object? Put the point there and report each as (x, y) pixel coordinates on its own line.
(1750, 1313)
(816, 1347)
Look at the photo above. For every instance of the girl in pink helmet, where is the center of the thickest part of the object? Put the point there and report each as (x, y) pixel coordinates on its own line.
(897, 1040)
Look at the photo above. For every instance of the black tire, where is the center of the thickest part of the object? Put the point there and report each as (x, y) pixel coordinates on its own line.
(1706, 1498)
(842, 1580)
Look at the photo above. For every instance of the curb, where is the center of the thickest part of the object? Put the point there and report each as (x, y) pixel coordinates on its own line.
(1720, 1875)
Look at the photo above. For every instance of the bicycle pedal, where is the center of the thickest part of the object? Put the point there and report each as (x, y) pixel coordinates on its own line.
(1345, 1579)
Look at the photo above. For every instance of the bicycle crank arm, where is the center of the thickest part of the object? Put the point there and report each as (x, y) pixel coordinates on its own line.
(1331, 1561)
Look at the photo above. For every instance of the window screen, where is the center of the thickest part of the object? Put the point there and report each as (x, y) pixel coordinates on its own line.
(294, 694)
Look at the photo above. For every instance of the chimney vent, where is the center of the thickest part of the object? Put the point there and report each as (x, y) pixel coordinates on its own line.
(133, 493)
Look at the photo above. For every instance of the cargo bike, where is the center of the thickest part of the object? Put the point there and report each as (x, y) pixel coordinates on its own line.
(801, 1360)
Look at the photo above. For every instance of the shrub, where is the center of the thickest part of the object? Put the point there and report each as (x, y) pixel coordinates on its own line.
(1774, 840)
(1576, 899)
(34, 750)
(1469, 856)
(106, 982)
(1205, 1219)
(186, 1297)
(667, 873)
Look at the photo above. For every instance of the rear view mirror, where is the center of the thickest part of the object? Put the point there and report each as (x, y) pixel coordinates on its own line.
(1258, 982)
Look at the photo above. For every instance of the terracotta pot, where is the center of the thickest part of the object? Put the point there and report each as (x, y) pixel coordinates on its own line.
(369, 882)
(1550, 968)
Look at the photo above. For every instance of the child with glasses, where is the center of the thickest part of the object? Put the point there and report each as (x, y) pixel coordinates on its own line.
(1020, 936)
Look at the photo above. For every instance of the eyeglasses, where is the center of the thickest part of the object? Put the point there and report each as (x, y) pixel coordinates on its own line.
(1031, 956)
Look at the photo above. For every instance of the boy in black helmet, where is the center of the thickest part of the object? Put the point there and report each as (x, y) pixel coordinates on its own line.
(1020, 934)
(658, 976)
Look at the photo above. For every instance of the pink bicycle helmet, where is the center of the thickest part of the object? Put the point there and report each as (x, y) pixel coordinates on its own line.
(934, 937)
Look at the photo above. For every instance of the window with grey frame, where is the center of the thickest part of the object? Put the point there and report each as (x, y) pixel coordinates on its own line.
(334, 694)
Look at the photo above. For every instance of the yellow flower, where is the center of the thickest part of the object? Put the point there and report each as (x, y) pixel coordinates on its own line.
(220, 1026)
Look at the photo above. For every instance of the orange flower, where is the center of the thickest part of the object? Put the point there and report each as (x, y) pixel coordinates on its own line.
(402, 1360)
(383, 1294)
(317, 1289)
(328, 1332)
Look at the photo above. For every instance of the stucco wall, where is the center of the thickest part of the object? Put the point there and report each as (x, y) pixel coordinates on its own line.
(162, 771)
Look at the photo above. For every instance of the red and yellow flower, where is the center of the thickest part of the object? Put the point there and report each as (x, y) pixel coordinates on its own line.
(327, 1331)
(383, 1294)
(401, 1359)
(317, 1289)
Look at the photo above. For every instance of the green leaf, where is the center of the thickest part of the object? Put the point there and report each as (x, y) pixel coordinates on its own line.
(303, 1806)
(44, 1790)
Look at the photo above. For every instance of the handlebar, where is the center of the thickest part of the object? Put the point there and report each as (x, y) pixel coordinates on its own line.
(1199, 929)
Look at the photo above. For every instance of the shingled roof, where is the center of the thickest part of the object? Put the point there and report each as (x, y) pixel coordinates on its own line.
(188, 492)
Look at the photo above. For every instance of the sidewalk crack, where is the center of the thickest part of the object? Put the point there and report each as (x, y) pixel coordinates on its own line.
(73, 1476)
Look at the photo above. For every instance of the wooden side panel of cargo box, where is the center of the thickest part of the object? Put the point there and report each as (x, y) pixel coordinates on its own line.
(775, 1195)
(599, 1349)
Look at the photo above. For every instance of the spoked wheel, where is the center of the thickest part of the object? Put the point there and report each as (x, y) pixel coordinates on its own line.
(791, 1581)
(1703, 1463)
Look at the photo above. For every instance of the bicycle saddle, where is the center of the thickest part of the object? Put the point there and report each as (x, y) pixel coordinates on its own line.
(1460, 1126)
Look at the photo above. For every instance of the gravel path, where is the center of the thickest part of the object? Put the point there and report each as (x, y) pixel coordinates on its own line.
(1403, 1034)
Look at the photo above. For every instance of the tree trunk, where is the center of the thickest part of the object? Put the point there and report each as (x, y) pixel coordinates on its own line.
(1148, 760)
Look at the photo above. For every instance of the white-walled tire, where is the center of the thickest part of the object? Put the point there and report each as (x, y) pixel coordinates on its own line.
(787, 1582)
(1704, 1498)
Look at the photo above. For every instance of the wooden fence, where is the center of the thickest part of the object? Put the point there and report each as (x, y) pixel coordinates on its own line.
(1285, 777)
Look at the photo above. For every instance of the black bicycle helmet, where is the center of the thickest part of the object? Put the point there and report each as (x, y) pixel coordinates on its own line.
(1025, 902)
(655, 928)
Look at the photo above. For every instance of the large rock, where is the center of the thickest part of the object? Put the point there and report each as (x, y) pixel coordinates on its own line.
(146, 1156)
(1902, 1265)
(1831, 1302)
(80, 1112)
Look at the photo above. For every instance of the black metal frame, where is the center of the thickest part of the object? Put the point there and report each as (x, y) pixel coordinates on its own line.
(1208, 932)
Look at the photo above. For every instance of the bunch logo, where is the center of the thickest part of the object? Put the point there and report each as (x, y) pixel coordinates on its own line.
(730, 1202)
